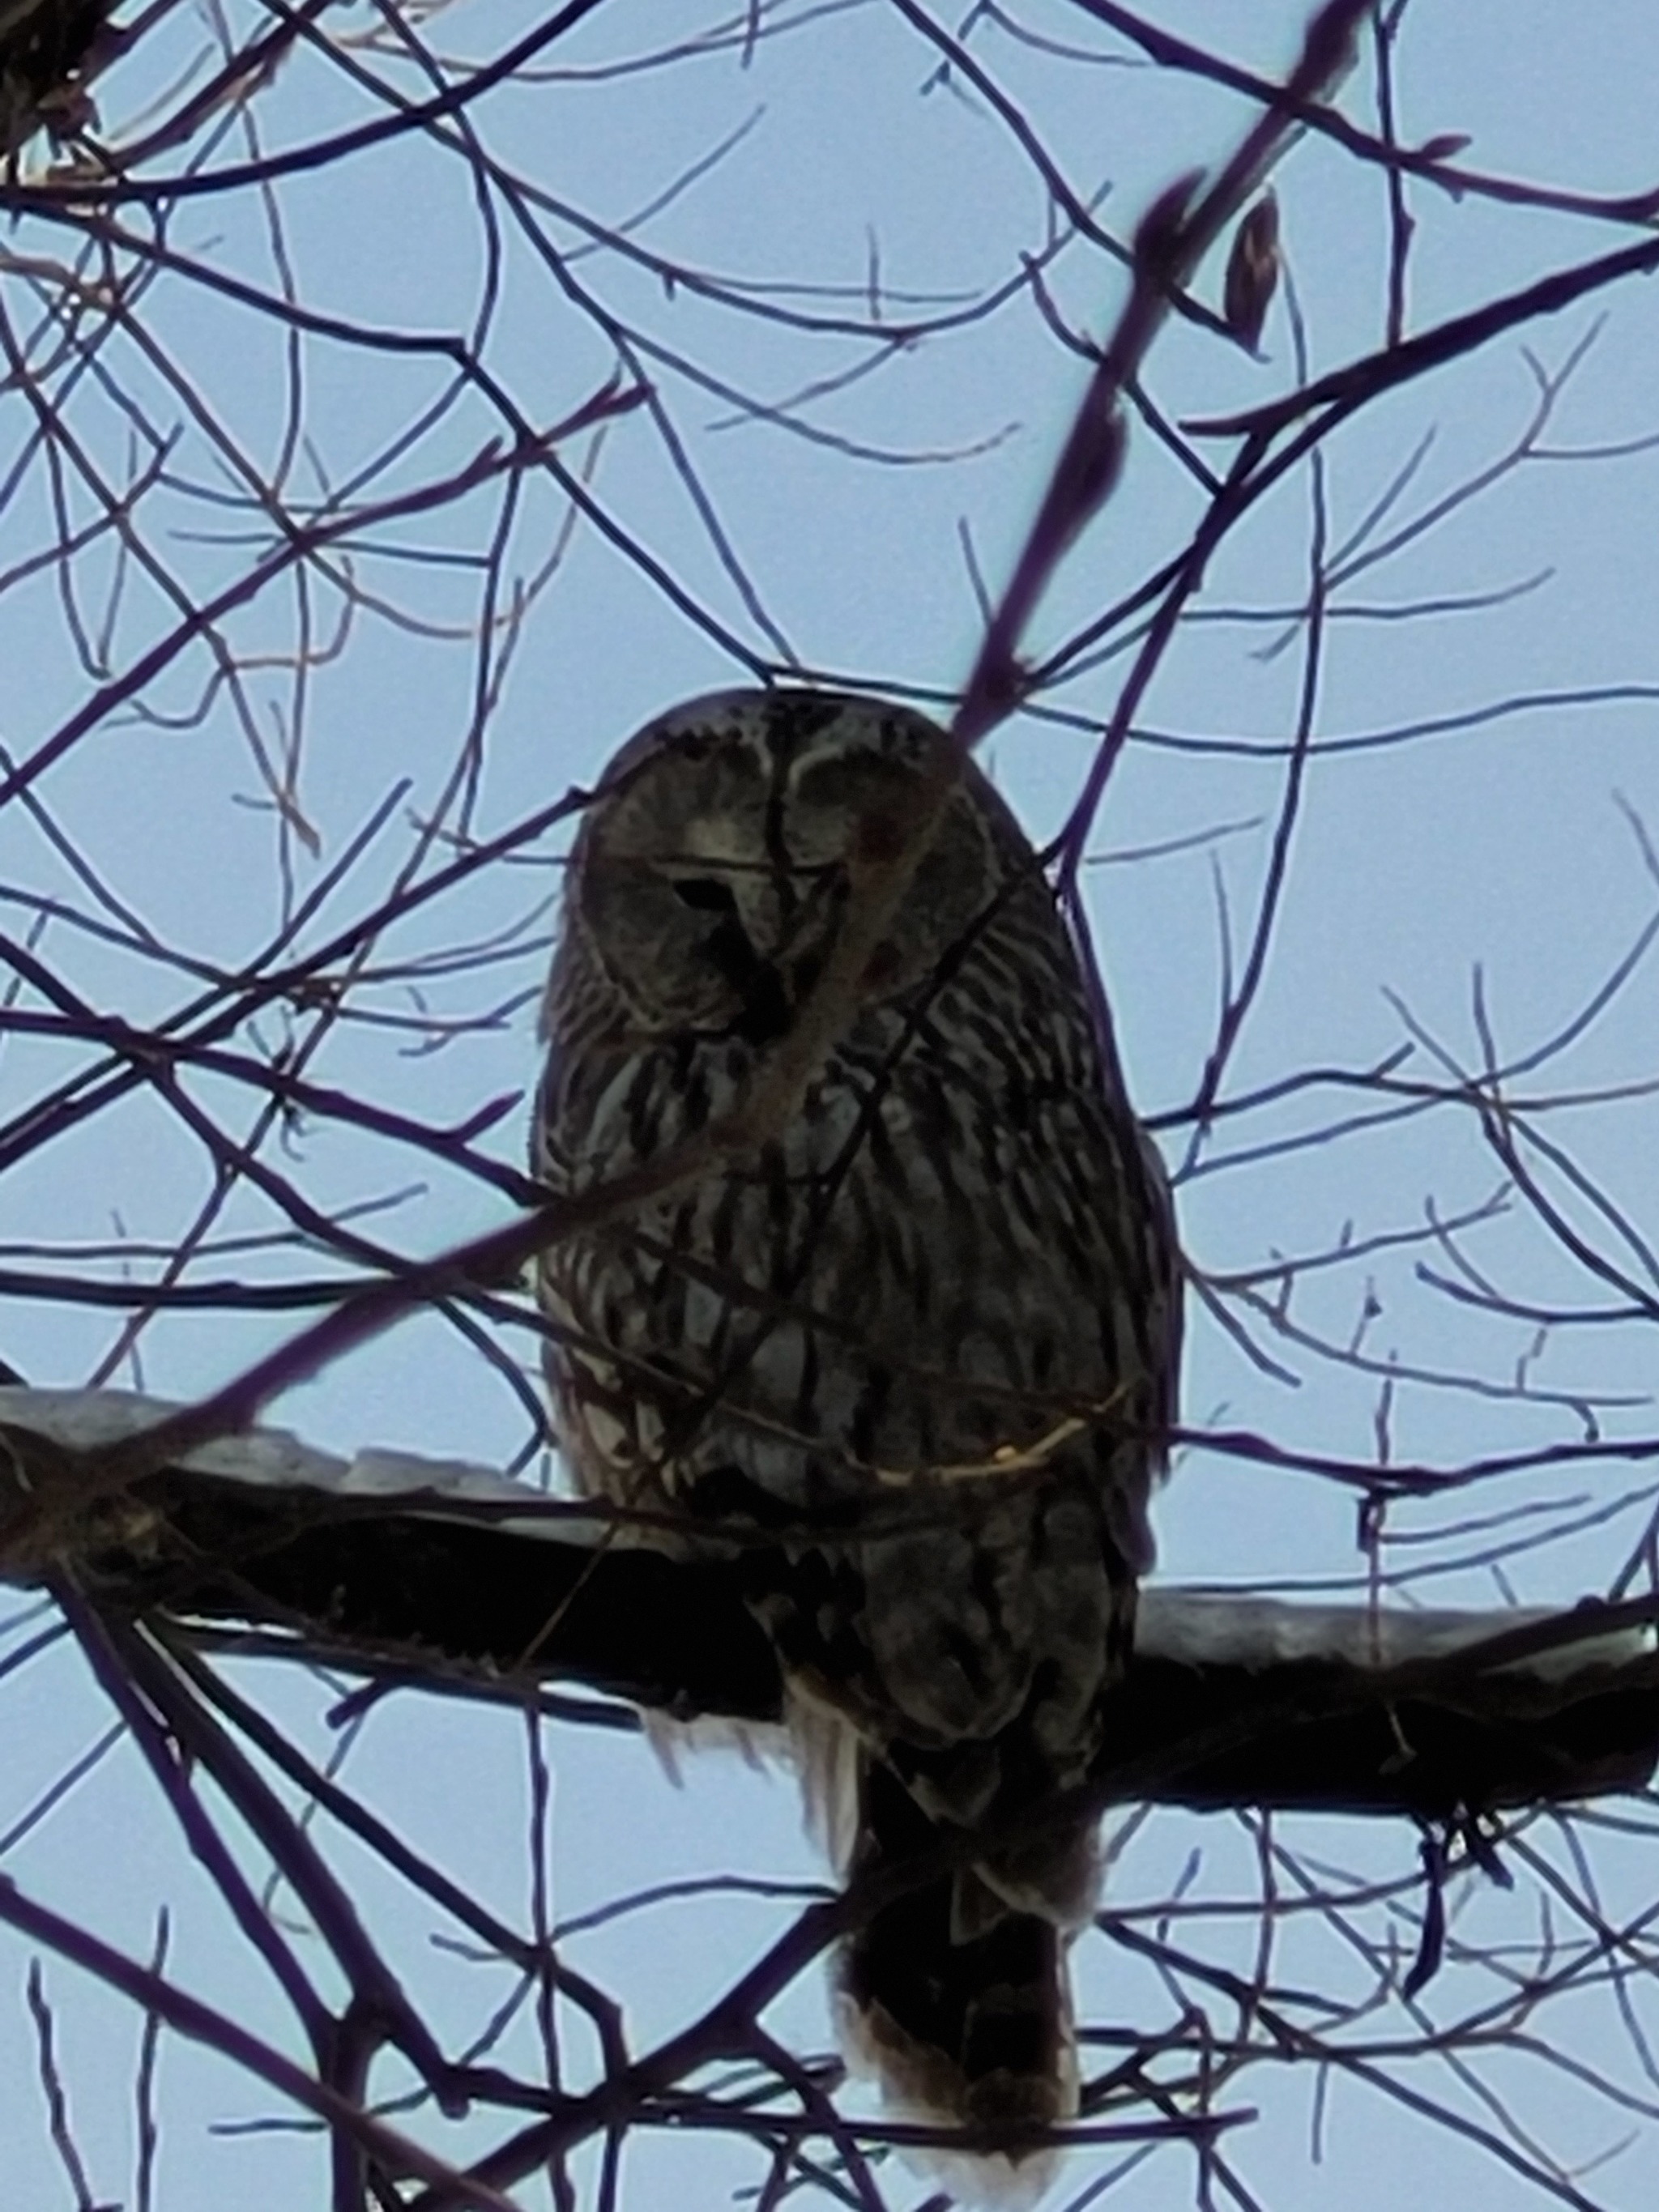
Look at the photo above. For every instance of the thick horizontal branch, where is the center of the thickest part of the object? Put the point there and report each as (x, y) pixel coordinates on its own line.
(427, 1569)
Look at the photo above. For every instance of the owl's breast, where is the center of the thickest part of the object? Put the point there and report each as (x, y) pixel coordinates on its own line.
(926, 1272)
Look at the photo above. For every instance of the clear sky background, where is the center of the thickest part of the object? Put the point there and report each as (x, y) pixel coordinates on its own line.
(1476, 800)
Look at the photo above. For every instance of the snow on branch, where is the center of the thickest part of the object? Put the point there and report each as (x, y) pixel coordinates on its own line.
(442, 1573)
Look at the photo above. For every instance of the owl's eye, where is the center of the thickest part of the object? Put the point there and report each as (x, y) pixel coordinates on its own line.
(765, 1003)
(708, 894)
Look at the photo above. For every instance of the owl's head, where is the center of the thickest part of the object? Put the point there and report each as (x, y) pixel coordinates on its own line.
(711, 872)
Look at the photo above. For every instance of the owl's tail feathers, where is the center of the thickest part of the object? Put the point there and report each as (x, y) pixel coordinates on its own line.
(959, 2001)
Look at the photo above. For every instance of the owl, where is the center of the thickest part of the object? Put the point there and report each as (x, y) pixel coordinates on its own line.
(910, 1359)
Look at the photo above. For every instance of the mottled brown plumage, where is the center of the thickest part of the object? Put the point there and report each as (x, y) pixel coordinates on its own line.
(915, 1358)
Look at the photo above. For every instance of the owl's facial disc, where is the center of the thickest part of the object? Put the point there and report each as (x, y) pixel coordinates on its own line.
(713, 880)
(689, 905)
